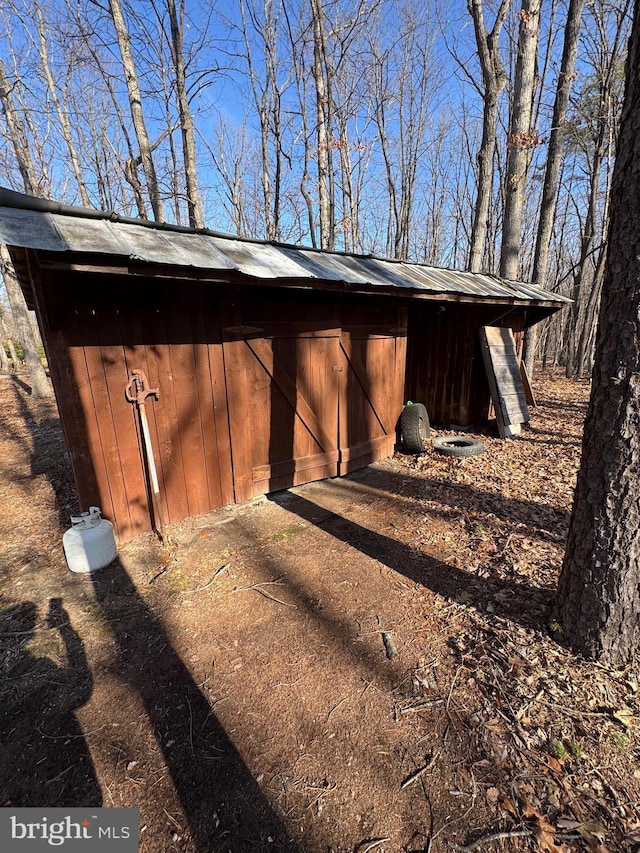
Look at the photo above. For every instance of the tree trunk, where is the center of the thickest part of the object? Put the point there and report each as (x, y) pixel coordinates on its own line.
(522, 138)
(194, 202)
(17, 134)
(552, 167)
(7, 329)
(40, 385)
(135, 105)
(494, 79)
(321, 79)
(63, 118)
(598, 602)
(5, 367)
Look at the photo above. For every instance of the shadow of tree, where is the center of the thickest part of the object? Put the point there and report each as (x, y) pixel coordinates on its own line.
(515, 600)
(542, 520)
(224, 806)
(47, 454)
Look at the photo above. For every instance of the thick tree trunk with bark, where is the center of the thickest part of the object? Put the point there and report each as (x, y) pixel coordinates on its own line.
(5, 367)
(598, 603)
(324, 130)
(194, 202)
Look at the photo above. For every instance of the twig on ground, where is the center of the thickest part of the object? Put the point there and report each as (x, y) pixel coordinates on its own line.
(257, 587)
(496, 836)
(422, 706)
(366, 846)
(413, 777)
(207, 585)
(453, 684)
(59, 776)
(190, 724)
(335, 707)
(172, 819)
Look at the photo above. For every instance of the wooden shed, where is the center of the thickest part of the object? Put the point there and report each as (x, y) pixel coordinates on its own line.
(274, 365)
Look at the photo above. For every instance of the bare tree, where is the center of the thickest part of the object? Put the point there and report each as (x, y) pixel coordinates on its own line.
(595, 133)
(494, 79)
(552, 167)
(194, 202)
(40, 385)
(135, 106)
(522, 138)
(17, 133)
(324, 127)
(62, 115)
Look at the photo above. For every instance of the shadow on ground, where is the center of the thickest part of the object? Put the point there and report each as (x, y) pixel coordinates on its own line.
(512, 599)
(45, 758)
(223, 804)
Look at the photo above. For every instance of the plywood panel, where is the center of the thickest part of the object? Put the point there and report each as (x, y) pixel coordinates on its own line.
(293, 425)
(371, 398)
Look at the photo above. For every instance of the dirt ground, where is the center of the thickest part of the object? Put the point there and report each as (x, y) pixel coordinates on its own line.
(363, 664)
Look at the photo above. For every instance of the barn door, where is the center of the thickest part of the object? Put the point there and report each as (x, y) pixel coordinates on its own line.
(372, 383)
(283, 407)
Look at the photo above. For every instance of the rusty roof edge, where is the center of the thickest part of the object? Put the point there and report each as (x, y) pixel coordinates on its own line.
(12, 199)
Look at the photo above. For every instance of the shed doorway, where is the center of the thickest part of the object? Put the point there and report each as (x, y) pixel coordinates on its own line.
(311, 405)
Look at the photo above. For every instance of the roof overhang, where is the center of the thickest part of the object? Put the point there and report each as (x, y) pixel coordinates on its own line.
(99, 242)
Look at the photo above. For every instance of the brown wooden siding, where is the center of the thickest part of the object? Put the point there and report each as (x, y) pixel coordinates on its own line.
(257, 392)
(444, 360)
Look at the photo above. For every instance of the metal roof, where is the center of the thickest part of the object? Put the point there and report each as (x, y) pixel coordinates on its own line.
(31, 223)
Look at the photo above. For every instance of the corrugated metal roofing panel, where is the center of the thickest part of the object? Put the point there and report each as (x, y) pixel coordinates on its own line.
(91, 235)
(28, 230)
(387, 273)
(338, 267)
(59, 229)
(259, 260)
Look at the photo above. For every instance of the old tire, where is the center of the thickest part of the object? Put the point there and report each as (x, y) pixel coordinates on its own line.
(414, 428)
(455, 445)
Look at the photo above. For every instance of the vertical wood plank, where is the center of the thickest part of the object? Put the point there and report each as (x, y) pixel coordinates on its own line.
(233, 349)
(169, 451)
(202, 343)
(123, 453)
(188, 426)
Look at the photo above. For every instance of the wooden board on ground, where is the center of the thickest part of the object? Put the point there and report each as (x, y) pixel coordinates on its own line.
(505, 380)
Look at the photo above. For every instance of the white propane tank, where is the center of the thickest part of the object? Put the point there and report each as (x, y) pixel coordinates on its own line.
(90, 543)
